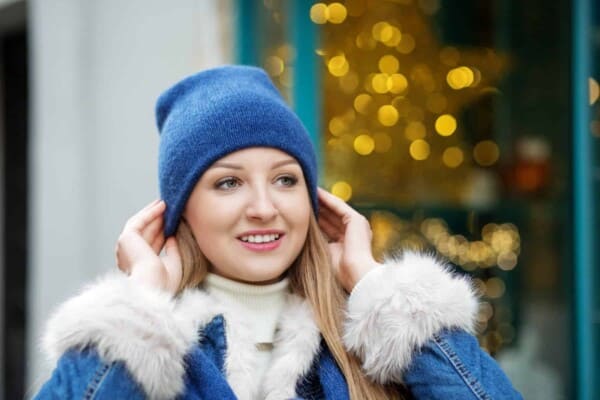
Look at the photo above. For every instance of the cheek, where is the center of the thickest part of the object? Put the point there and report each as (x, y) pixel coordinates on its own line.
(208, 225)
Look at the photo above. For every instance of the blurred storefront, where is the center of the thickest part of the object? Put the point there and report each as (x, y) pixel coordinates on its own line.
(470, 129)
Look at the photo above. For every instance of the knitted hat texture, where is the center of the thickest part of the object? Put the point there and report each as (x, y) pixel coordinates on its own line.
(213, 113)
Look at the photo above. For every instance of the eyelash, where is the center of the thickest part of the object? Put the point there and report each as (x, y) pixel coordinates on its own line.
(292, 181)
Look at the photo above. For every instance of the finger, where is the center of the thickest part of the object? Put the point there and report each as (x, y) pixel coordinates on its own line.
(153, 231)
(145, 216)
(334, 203)
(329, 229)
(335, 220)
(159, 241)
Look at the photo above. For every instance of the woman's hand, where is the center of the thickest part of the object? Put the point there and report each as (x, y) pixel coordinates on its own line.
(350, 237)
(139, 246)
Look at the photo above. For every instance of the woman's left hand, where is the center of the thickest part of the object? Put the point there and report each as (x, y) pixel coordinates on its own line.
(350, 238)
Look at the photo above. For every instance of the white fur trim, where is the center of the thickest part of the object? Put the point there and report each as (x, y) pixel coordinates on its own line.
(240, 360)
(126, 322)
(151, 332)
(297, 343)
(398, 307)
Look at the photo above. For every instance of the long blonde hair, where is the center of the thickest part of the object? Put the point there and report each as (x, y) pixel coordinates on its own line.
(311, 277)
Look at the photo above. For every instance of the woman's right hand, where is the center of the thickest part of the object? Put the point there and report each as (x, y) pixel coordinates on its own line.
(139, 246)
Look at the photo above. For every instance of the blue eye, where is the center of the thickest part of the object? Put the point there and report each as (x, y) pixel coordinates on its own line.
(287, 180)
(227, 183)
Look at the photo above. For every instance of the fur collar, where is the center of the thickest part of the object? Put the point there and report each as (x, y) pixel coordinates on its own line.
(392, 312)
(151, 332)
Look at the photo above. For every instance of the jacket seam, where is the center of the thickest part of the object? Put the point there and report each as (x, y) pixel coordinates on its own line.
(461, 369)
(96, 381)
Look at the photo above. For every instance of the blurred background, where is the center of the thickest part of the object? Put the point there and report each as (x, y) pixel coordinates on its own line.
(469, 128)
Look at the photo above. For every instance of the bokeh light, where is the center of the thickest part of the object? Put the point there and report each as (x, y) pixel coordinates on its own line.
(415, 130)
(337, 13)
(319, 13)
(445, 125)
(364, 144)
(419, 150)
(388, 64)
(486, 153)
(342, 189)
(387, 115)
(362, 103)
(453, 157)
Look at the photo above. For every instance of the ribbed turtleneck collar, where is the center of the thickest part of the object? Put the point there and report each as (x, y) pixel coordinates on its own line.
(262, 304)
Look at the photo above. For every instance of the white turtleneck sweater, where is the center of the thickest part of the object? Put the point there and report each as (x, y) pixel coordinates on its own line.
(260, 304)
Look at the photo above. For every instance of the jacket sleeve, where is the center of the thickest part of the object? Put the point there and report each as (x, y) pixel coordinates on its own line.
(117, 335)
(410, 321)
(82, 374)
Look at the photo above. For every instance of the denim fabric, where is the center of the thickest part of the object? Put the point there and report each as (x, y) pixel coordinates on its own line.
(83, 375)
(451, 366)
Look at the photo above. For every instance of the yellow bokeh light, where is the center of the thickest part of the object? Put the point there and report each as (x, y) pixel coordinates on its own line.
(386, 33)
(342, 189)
(383, 142)
(397, 83)
(338, 66)
(594, 90)
(337, 126)
(362, 103)
(459, 78)
(388, 64)
(380, 83)
(393, 39)
(274, 65)
(378, 28)
(436, 103)
(364, 144)
(387, 115)
(319, 13)
(407, 44)
(453, 157)
(337, 13)
(445, 125)
(415, 130)
(486, 153)
(419, 150)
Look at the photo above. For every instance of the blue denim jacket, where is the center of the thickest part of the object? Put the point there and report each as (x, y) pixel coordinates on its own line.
(450, 366)
(403, 335)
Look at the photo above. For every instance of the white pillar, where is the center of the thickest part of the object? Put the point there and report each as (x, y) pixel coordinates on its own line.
(96, 71)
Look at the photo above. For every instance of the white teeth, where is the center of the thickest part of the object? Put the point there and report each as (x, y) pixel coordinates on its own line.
(260, 238)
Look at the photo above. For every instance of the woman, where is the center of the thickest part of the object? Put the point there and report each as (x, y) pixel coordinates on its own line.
(250, 298)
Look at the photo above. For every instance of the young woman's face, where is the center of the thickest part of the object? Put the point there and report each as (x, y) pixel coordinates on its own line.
(249, 213)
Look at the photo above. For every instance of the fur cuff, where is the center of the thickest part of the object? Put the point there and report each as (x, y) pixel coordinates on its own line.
(398, 307)
(126, 322)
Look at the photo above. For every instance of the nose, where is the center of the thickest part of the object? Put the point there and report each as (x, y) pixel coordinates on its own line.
(261, 205)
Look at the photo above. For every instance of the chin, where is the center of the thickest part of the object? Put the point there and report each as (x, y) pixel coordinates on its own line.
(263, 277)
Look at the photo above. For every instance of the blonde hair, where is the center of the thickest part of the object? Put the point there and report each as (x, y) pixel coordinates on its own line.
(312, 278)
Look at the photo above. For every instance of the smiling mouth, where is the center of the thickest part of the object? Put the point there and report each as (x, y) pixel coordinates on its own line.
(269, 238)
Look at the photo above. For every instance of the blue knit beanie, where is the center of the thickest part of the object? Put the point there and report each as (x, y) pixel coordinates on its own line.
(216, 112)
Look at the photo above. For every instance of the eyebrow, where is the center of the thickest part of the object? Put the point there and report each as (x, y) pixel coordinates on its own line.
(220, 164)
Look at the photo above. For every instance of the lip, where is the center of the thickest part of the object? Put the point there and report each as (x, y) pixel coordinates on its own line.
(261, 247)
